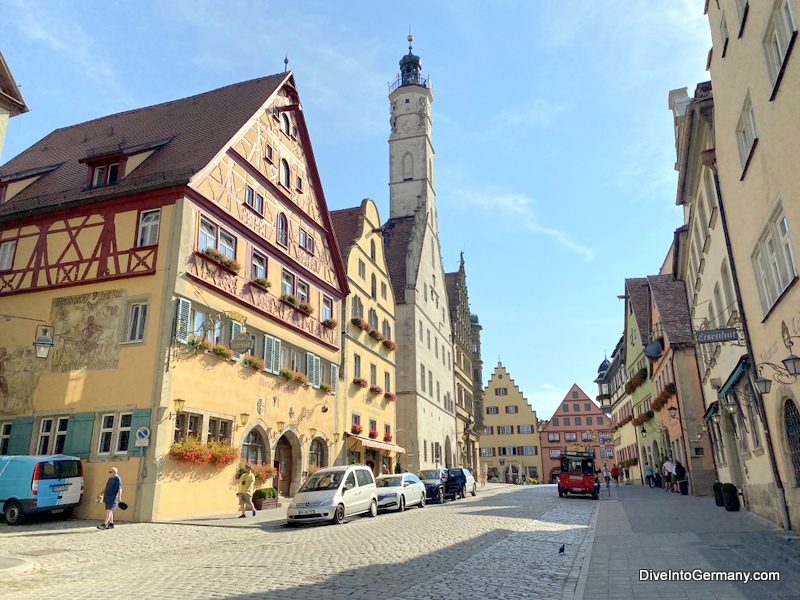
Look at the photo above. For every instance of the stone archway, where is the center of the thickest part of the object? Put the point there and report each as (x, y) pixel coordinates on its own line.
(288, 462)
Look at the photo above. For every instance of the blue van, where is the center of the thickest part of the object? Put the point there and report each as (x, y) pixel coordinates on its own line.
(39, 484)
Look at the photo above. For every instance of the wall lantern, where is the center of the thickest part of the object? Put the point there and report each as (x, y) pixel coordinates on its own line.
(280, 425)
(312, 431)
(43, 342)
(786, 374)
(243, 419)
(643, 432)
(178, 403)
(673, 410)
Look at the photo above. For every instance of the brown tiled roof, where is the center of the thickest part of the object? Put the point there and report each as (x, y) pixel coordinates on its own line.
(346, 226)
(199, 127)
(397, 234)
(450, 280)
(669, 296)
(637, 290)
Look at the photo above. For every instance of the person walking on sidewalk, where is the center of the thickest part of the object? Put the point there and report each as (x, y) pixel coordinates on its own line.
(606, 474)
(247, 482)
(627, 475)
(615, 475)
(669, 475)
(112, 496)
(648, 474)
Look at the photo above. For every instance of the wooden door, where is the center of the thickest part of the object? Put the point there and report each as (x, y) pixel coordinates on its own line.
(284, 459)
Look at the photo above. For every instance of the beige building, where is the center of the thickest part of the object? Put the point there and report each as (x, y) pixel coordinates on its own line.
(510, 444)
(366, 402)
(11, 102)
(756, 83)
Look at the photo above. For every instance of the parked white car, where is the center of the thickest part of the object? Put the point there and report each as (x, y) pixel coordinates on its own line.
(396, 492)
(334, 494)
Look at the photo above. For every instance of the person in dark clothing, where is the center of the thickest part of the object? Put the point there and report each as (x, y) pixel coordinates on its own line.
(112, 496)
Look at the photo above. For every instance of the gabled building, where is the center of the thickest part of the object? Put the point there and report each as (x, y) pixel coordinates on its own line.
(182, 259)
(11, 102)
(426, 406)
(577, 424)
(460, 318)
(510, 444)
(365, 413)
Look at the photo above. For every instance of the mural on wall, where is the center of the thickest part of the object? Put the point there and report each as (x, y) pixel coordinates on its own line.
(86, 331)
(20, 371)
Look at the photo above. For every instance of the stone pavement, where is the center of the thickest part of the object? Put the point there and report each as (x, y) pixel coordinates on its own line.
(643, 528)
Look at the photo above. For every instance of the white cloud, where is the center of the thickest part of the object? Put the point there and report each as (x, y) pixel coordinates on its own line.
(547, 386)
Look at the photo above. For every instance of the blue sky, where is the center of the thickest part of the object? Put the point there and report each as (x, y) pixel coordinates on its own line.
(553, 138)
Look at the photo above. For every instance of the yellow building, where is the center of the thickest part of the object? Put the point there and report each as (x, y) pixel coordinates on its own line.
(366, 413)
(510, 444)
(11, 102)
(182, 259)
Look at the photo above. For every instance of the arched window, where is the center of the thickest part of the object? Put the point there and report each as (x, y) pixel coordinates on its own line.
(254, 450)
(283, 230)
(285, 123)
(793, 436)
(372, 318)
(386, 329)
(358, 307)
(316, 454)
(285, 174)
(372, 249)
(373, 288)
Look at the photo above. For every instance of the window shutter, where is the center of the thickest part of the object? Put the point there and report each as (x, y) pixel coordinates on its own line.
(21, 432)
(140, 418)
(79, 434)
(310, 368)
(520, 450)
(334, 376)
(272, 354)
(317, 377)
(182, 327)
(236, 329)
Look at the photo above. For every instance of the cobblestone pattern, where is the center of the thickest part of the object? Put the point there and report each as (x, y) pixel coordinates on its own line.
(500, 544)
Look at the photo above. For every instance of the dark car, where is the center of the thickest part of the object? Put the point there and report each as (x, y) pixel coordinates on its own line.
(435, 481)
(459, 482)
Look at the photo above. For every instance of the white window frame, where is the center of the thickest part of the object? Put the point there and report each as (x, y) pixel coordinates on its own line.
(774, 266)
(53, 437)
(136, 322)
(287, 282)
(303, 291)
(149, 222)
(282, 230)
(7, 254)
(777, 37)
(115, 433)
(525, 429)
(258, 265)
(746, 131)
(327, 308)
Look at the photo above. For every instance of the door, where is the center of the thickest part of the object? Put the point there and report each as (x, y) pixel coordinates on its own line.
(350, 496)
(284, 460)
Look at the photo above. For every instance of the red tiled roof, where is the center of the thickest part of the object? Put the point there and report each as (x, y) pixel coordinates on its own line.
(397, 234)
(669, 296)
(347, 225)
(637, 289)
(199, 127)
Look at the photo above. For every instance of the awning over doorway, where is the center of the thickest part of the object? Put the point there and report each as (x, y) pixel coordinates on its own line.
(734, 377)
(370, 443)
(712, 410)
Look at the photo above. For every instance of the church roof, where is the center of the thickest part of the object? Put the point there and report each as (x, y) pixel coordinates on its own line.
(195, 130)
(397, 235)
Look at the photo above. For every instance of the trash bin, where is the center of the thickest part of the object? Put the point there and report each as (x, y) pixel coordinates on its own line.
(684, 487)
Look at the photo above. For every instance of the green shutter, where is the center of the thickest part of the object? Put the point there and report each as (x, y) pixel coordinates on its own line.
(140, 418)
(334, 376)
(79, 435)
(182, 330)
(21, 431)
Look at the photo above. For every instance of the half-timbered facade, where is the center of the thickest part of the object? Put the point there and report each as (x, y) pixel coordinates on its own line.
(182, 257)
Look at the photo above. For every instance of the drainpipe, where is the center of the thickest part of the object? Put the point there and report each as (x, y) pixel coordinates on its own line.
(787, 524)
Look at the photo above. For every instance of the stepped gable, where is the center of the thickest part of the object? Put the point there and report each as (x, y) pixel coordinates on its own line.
(669, 296)
(197, 128)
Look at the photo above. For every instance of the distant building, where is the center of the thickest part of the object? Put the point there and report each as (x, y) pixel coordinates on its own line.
(11, 102)
(577, 424)
(510, 444)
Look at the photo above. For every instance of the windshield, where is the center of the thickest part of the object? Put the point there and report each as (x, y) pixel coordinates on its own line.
(432, 474)
(389, 482)
(322, 481)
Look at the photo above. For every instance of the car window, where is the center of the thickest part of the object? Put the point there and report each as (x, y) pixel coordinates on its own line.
(351, 479)
(388, 482)
(455, 473)
(432, 474)
(412, 478)
(364, 477)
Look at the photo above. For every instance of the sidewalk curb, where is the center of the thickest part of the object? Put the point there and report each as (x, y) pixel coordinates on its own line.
(586, 551)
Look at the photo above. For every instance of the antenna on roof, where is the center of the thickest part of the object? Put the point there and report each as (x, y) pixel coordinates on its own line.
(286, 63)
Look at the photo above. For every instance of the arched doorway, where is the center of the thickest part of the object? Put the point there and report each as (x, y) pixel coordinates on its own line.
(288, 463)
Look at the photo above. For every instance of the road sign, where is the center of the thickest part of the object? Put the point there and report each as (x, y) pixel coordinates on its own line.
(241, 342)
(142, 438)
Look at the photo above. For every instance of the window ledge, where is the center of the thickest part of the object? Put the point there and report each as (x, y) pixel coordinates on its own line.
(253, 209)
(780, 297)
(749, 159)
(779, 78)
(758, 451)
(744, 19)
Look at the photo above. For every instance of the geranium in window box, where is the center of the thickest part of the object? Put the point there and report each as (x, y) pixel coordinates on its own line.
(300, 377)
(361, 324)
(262, 282)
(360, 381)
(200, 343)
(289, 299)
(222, 351)
(223, 260)
(285, 373)
(330, 323)
(254, 362)
(356, 429)
(221, 452)
(306, 308)
(376, 389)
(375, 334)
(326, 387)
(390, 396)
(190, 450)
(373, 433)
(387, 437)
(390, 344)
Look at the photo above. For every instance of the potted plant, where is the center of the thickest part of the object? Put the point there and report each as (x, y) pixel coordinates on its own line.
(330, 323)
(222, 351)
(390, 344)
(361, 324)
(390, 396)
(718, 499)
(356, 429)
(360, 381)
(387, 437)
(312, 469)
(730, 497)
(375, 334)
(223, 260)
(254, 362)
(373, 433)
(262, 282)
(265, 498)
(326, 387)
(306, 307)
(290, 299)
(376, 389)
(200, 343)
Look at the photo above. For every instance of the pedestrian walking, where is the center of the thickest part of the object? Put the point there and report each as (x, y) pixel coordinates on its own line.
(627, 475)
(648, 474)
(483, 477)
(615, 475)
(247, 483)
(669, 475)
(111, 497)
(606, 474)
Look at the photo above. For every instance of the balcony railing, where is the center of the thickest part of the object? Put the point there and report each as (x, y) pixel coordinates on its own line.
(411, 80)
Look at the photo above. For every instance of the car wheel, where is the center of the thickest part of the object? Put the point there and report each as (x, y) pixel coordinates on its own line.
(474, 489)
(422, 501)
(440, 496)
(373, 509)
(401, 506)
(338, 515)
(13, 512)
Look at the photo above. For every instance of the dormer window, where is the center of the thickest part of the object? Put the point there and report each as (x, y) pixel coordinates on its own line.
(105, 174)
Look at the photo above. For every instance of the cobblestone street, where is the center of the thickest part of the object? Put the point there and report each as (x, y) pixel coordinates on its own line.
(501, 544)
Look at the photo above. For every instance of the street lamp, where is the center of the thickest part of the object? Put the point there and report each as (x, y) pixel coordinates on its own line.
(643, 432)
(43, 342)
(786, 374)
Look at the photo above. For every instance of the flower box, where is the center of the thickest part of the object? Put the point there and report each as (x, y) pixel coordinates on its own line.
(361, 324)
(330, 323)
(376, 389)
(375, 334)
(387, 437)
(356, 429)
(306, 308)
(193, 450)
(293, 375)
(261, 282)
(326, 387)
(200, 343)
(373, 433)
(390, 396)
(254, 362)
(360, 381)
(390, 344)
(222, 351)
(221, 259)
(289, 299)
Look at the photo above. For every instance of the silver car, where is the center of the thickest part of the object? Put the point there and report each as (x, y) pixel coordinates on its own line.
(334, 494)
(396, 492)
